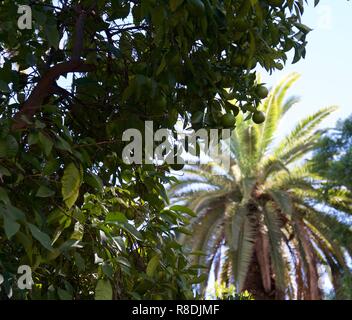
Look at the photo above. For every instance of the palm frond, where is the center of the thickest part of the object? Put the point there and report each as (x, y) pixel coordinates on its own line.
(270, 166)
(190, 188)
(250, 143)
(282, 200)
(326, 242)
(330, 227)
(244, 144)
(338, 199)
(197, 204)
(225, 275)
(302, 131)
(274, 110)
(281, 89)
(289, 103)
(241, 244)
(275, 235)
(273, 114)
(202, 230)
(299, 178)
(313, 278)
(242, 251)
(247, 186)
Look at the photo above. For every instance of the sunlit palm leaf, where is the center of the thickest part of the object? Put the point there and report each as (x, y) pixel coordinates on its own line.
(302, 131)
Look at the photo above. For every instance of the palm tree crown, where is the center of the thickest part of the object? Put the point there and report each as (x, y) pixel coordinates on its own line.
(263, 226)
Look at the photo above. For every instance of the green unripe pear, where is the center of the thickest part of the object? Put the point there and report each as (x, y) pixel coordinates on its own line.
(258, 117)
(262, 92)
(228, 120)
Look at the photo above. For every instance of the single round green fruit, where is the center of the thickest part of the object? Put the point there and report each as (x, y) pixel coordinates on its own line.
(177, 166)
(228, 120)
(258, 117)
(196, 7)
(262, 92)
(276, 3)
(279, 66)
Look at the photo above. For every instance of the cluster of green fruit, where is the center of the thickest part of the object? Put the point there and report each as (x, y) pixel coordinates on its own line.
(228, 120)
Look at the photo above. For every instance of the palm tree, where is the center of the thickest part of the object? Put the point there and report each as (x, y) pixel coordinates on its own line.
(263, 226)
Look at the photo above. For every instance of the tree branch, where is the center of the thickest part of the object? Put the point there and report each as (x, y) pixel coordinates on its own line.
(79, 35)
(43, 87)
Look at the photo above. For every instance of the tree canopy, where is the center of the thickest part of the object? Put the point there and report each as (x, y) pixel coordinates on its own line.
(69, 86)
(333, 159)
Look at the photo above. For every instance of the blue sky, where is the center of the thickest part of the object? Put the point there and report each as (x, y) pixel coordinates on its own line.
(326, 70)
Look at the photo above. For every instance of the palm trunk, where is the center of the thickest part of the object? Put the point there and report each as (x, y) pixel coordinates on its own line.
(254, 283)
(262, 248)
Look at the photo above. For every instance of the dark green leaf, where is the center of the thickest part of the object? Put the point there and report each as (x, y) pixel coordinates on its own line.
(42, 237)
